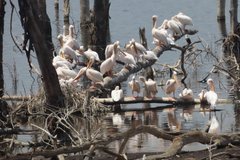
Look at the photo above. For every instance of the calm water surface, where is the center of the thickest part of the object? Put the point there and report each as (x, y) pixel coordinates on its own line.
(126, 18)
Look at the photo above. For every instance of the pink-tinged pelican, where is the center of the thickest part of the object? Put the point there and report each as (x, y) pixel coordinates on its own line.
(65, 73)
(90, 54)
(159, 35)
(211, 95)
(109, 49)
(110, 62)
(66, 50)
(126, 58)
(135, 86)
(172, 84)
(183, 19)
(150, 87)
(150, 55)
(175, 27)
(95, 76)
(71, 41)
(136, 49)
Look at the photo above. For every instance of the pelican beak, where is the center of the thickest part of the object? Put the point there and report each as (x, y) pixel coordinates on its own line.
(90, 63)
(122, 52)
(135, 48)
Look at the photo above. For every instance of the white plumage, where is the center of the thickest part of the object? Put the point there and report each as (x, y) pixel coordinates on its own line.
(134, 85)
(172, 84)
(150, 86)
(110, 62)
(117, 94)
(211, 95)
(187, 94)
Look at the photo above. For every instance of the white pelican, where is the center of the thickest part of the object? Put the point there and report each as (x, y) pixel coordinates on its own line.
(91, 54)
(162, 36)
(187, 94)
(110, 62)
(135, 86)
(71, 41)
(109, 49)
(126, 58)
(172, 84)
(214, 126)
(164, 24)
(150, 55)
(62, 63)
(66, 50)
(175, 27)
(136, 49)
(182, 20)
(117, 94)
(65, 73)
(211, 95)
(95, 76)
(150, 86)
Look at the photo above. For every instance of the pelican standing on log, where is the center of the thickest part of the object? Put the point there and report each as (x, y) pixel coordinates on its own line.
(172, 84)
(211, 95)
(135, 86)
(150, 87)
(110, 62)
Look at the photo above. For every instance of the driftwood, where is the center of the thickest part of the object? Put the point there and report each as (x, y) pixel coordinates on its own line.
(128, 100)
(178, 142)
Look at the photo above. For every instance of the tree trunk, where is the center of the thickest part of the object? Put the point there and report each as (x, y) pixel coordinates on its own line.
(85, 22)
(101, 14)
(46, 26)
(66, 12)
(221, 10)
(2, 12)
(35, 25)
(233, 14)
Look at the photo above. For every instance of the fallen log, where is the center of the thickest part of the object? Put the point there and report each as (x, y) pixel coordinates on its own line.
(167, 100)
(178, 142)
(15, 98)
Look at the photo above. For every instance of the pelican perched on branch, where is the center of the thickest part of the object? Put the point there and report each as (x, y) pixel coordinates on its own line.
(71, 41)
(135, 86)
(109, 49)
(172, 84)
(150, 86)
(184, 19)
(110, 62)
(95, 76)
(211, 95)
(159, 35)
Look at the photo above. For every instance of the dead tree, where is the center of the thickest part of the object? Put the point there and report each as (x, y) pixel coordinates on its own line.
(233, 14)
(66, 13)
(2, 13)
(101, 25)
(85, 22)
(221, 10)
(35, 25)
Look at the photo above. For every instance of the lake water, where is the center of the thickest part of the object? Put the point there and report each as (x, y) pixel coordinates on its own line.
(126, 18)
